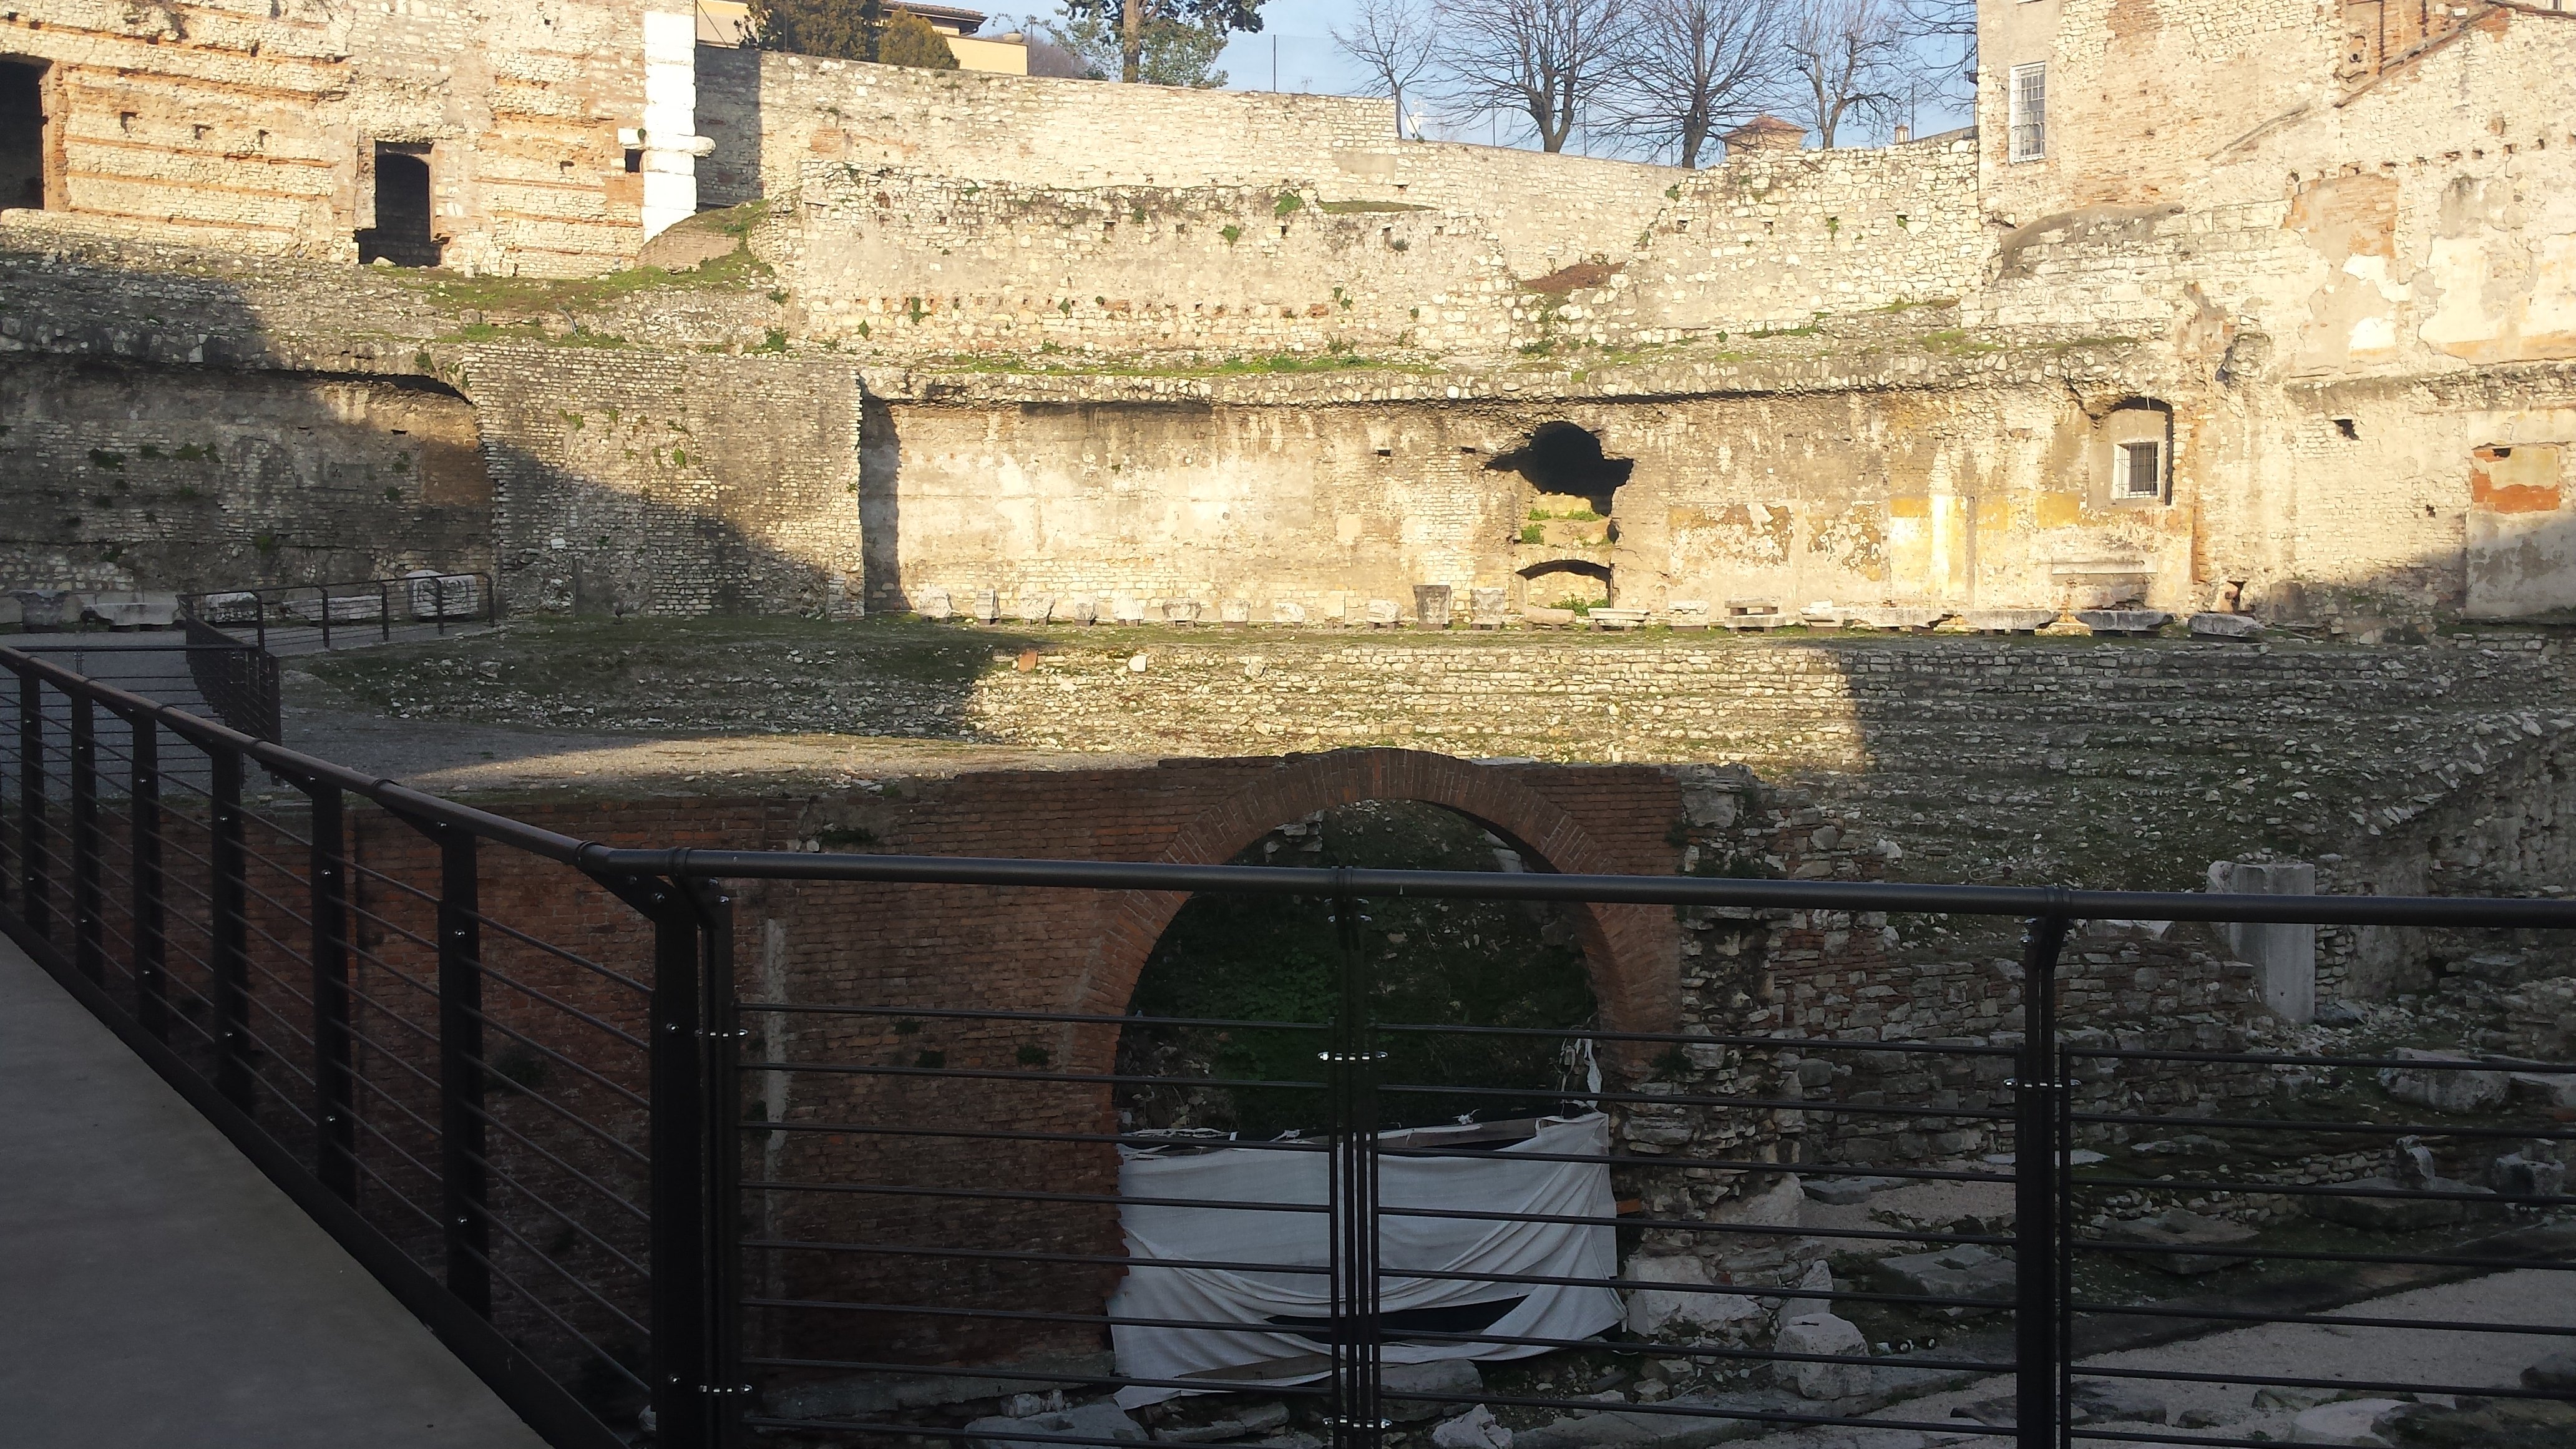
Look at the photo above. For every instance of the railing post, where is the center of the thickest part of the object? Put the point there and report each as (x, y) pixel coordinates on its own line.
(89, 952)
(1350, 1074)
(384, 613)
(231, 929)
(325, 591)
(698, 1389)
(143, 849)
(461, 1072)
(35, 904)
(335, 1122)
(2039, 1151)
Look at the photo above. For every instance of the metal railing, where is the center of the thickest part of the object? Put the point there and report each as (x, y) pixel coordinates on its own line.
(349, 606)
(536, 1132)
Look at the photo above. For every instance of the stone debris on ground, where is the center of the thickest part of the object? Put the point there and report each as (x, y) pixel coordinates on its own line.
(1449, 1378)
(1963, 1271)
(1088, 1421)
(2180, 1228)
(1654, 1311)
(1475, 1429)
(1815, 1331)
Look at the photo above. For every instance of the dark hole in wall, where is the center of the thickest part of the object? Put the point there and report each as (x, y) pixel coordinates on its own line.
(22, 133)
(1565, 459)
(401, 234)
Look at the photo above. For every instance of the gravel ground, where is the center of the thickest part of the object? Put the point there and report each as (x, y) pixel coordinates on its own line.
(451, 757)
(2433, 1358)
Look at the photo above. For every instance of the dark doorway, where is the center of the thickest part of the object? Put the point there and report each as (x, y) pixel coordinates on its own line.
(401, 234)
(1566, 460)
(22, 133)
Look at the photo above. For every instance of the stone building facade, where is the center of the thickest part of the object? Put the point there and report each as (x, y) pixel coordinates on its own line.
(2258, 307)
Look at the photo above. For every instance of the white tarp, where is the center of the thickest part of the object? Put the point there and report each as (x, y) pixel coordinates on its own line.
(1500, 1182)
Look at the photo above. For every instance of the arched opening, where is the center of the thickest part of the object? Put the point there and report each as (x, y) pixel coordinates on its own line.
(1432, 962)
(402, 233)
(1567, 583)
(1485, 1090)
(22, 133)
(1567, 466)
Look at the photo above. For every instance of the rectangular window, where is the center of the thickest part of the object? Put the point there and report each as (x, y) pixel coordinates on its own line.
(2029, 127)
(2139, 471)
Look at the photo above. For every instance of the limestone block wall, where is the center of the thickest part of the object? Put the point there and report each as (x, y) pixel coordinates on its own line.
(639, 483)
(1988, 489)
(938, 264)
(253, 126)
(192, 479)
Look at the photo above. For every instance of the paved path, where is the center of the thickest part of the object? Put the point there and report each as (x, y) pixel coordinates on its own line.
(156, 1289)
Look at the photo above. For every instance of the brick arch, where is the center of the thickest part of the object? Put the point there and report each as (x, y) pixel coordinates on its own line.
(1631, 952)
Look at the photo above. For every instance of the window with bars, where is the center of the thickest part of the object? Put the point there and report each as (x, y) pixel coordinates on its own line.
(2029, 121)
(2138, 471)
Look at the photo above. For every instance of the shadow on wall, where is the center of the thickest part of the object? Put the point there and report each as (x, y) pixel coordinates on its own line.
(194, 447)
(128, 474)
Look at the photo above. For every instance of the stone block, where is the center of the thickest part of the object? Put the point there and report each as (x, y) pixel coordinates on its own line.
(1488, 608)
(2444, 1083)
(1126, 610)
(933, 604)
(2398, 1214)
(1431, 606)
(988, 606)
(1444, 1376)
(1966, 1271)
(2225, 626)
(2556, 1373)
(1036, 608)
(1680, 1310)
(1821, 614)
(2008, 621)
(2283, 954)
(1089, 1421)
(2351, 1422)
(12, 613)
(1285, 612)
(1180, 611)
(1383, 614)
(2515, 1175)
(1475, 1429)
(1823, 1333)
(1687, 613)
(2181, 1228)
(1549, 618)
(1839, 1191)
(2545, 1090)
(1890, 616)
(1082, 610)
(1618, 618)
(2123, 621)
(1234, 611)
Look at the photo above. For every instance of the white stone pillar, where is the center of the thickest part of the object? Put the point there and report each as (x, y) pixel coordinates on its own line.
(2284, 957)
(671, 143)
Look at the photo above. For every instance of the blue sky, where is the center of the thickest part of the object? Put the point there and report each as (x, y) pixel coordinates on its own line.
(1294, 52)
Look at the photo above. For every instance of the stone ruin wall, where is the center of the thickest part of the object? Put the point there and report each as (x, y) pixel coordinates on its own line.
(251, 127)
(1900, 449)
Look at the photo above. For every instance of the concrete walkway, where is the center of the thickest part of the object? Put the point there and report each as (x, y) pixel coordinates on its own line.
(156, 1289)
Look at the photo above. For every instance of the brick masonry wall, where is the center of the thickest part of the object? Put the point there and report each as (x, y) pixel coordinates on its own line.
(252, 127)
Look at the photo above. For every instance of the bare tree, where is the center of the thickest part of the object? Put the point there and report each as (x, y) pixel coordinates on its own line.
(1943, 36)
(1692, 66)
(1546, 59)
(1393, 40)
(1849, 57)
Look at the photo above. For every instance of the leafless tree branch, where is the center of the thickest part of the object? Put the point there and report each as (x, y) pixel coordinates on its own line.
(1693, 66)
(1393, 41)
(1548, 60)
